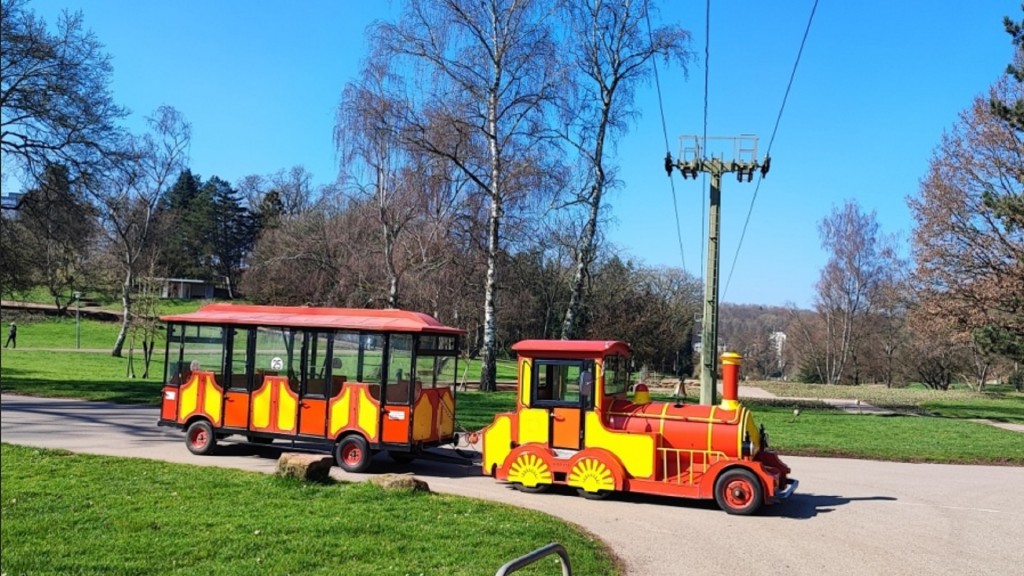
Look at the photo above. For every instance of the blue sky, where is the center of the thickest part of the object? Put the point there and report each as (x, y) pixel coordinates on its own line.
(878, 83)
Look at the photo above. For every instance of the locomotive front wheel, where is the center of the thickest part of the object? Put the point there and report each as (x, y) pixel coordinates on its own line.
(353, 454)
(538, 489)
(599, 495)
(199, 438)
(739, 491)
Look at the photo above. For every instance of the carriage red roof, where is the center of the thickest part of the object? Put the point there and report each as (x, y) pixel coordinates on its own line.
(313, 317)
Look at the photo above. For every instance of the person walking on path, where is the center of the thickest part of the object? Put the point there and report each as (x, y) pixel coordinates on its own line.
(12, 336)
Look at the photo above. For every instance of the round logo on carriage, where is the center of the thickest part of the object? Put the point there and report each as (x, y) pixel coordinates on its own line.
(276, 363)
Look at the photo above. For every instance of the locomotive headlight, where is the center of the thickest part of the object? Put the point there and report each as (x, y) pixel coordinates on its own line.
(753, 438)
(748, 446)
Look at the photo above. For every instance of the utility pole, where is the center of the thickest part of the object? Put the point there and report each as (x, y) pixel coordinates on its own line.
(694, 158)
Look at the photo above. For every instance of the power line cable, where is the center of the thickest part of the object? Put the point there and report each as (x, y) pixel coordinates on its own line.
(664, 130)
(704, 141)
(771, 141)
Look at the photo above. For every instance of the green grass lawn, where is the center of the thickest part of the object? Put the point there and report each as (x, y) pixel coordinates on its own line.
(1006, 408)
(823, 431)
(943, 432)
(475, 410)
(41, 295)
(81, 514)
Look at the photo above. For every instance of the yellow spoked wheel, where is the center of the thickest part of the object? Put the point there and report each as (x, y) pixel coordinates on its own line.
(530, 473)
(592, 478)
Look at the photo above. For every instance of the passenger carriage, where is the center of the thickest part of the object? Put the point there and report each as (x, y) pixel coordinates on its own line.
(353, 380)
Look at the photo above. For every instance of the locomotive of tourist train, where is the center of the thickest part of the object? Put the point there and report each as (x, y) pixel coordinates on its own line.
(364, 381)
(574, 425)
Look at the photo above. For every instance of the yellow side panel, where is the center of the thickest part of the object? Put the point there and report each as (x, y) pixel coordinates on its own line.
(533, 425)
(287, 408)
(261, 408)
(213, 402)
(188, 397)
(422, 419)
(339, 412)
(525, 367)
(445, 416)
(497, 442)
(636, 451)
(368, 411)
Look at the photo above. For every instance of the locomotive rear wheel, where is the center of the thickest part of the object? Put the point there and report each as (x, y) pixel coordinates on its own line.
(739, 491)
(353, 454)
(199, 438)
(538, 489)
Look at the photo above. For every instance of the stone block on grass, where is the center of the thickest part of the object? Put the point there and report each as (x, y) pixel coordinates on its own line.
(403, 482)
(306, 467)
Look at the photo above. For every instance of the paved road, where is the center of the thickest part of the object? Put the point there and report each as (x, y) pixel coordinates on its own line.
(848, 516)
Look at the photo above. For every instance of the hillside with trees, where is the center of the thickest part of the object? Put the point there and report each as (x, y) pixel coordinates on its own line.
(475, 164)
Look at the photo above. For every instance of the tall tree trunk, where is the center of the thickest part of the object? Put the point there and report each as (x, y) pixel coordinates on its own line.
(389, 264)
(488, 358)
(584, 258)
(126, 304)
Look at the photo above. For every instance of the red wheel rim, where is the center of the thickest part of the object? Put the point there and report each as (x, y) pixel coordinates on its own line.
(352, 455)
(199, 438)
(738, 493)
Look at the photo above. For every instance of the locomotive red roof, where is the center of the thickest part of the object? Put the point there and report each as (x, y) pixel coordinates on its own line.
(596, 347)
(311, 317)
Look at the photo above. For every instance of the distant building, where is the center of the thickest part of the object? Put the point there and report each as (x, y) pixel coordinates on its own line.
(185, 288)
(778, 340)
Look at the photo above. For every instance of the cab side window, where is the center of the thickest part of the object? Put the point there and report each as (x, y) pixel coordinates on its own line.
(562, 382)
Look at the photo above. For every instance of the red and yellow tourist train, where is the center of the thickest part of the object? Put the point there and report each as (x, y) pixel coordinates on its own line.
(362, 381)
(358, 381)
(574, 425)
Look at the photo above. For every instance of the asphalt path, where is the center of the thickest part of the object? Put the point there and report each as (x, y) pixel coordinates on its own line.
(847, 517)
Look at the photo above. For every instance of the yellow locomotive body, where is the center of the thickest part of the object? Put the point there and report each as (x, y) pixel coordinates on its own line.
(575, 425)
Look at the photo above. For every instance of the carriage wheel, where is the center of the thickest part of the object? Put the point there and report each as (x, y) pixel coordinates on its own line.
(353, 454)
(199, 438)
(738, 491)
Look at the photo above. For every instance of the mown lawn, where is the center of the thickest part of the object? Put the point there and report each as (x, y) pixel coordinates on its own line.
(943, 429)
(823, 431)
(81, 514)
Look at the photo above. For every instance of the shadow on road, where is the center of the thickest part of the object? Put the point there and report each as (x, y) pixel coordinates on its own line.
(133, 419)
(805, 506)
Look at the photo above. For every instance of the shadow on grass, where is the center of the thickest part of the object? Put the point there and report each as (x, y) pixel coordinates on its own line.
(1008, 410)
(118, 391)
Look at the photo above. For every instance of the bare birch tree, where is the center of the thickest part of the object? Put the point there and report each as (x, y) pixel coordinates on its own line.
(490, 69)
(847, 284)
(609, 51)
(367, 136)
(127, 197)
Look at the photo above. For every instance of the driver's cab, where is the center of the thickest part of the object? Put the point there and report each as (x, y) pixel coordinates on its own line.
(560, 381)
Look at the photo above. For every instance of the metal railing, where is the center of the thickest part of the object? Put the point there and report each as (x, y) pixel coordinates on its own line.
(698, 462)
(524, 561)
